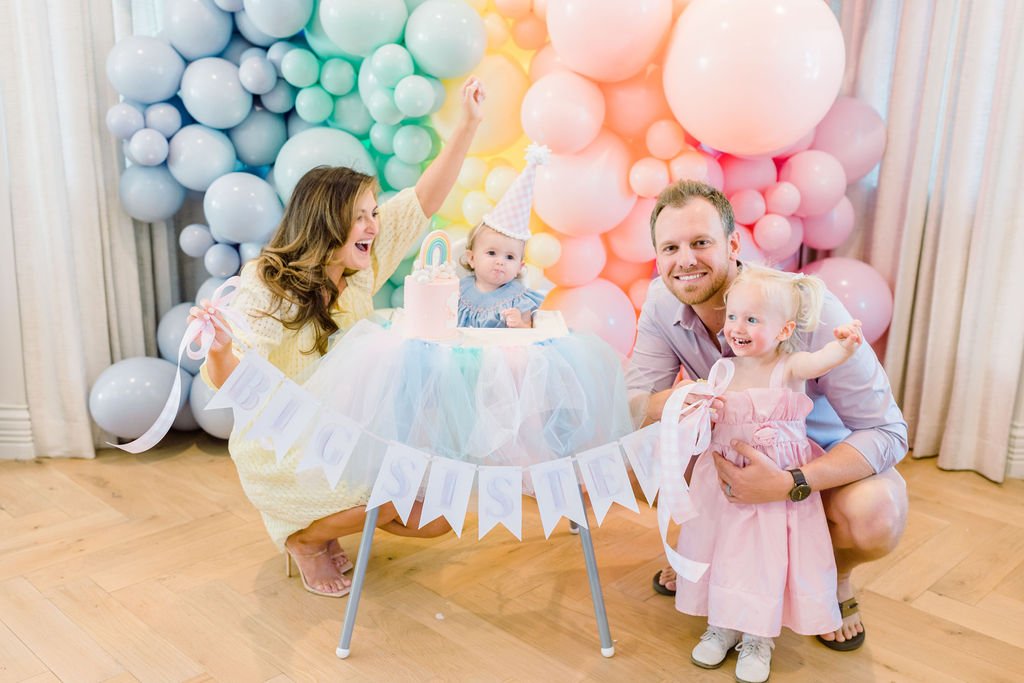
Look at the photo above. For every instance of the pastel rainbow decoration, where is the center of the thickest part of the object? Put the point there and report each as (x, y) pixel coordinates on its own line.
(436, 249)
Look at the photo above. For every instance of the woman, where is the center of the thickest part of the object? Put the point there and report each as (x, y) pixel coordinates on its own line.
(333, 249)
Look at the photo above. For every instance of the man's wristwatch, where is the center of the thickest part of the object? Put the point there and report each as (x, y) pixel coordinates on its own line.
(801, 489)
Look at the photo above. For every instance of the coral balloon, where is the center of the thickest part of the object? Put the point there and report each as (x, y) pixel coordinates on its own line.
(608, 40)
(782, 198)
(582, 260)
(600, 308)
(545, 61)
(753, 77)
(820, 179)
(696, 165)
(586, 193)
(747, 174)
(747, 206)
(530, 33)
(648, 176)
(634, 104)
(624, 273)
(854, 134)
(862, 290)
(630, 240)
(637, 292)
(830, 229)
(564, 111)
(665, 139)
(506, 87)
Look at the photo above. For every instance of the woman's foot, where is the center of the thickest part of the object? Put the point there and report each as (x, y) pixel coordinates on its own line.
(317, 570)
(665, 581)
(850, 635)
(339, 556)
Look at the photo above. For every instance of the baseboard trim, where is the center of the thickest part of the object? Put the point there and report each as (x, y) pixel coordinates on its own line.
(1015, 454)
(16, 433)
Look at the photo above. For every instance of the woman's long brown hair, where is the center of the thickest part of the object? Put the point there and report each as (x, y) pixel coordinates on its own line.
(293, 265)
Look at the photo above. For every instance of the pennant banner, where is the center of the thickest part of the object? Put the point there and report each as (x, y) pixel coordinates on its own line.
(399, 480)
(500, 499)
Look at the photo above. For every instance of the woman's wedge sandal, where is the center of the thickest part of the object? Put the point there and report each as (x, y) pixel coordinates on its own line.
(846, 608)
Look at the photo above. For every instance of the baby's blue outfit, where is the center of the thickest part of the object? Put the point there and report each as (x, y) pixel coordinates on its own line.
(483, 309)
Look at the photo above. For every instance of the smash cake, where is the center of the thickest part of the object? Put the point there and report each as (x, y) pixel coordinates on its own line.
(432, 291)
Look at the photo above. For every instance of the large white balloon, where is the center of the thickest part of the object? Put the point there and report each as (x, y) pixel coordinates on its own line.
(213, 93)
(145, 69)
(318, 147)
(196, 28)
(199, 155)
(241, 207)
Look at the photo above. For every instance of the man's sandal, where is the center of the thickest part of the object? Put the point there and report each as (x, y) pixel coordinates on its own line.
(846, 608)
(659, 587)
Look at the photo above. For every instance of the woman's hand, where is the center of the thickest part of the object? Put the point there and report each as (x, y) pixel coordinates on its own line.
(473, 97)
(204, 311)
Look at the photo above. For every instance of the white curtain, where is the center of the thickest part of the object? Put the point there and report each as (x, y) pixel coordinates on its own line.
(946, 220)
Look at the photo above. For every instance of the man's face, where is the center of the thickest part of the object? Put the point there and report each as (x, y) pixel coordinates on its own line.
(694, 257)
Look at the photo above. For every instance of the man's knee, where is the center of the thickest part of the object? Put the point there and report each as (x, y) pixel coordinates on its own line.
(873, 513)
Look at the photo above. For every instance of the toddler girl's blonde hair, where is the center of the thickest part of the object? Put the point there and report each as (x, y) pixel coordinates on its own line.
(798, 297)
(471, 238)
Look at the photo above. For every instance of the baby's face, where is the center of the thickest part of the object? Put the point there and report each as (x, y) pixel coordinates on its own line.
(754, 326)
(496, 259)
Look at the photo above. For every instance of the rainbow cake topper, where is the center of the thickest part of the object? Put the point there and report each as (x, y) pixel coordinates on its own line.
(435, 250)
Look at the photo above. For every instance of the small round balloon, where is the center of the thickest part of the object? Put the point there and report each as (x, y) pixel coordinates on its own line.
(213, 93)
(127, 397)
(195, 239)
(150, 193)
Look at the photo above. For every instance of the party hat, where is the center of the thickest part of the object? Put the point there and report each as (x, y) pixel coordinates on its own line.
(511, 216)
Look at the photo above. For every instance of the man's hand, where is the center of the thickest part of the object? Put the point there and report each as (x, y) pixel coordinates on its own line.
(761, 481)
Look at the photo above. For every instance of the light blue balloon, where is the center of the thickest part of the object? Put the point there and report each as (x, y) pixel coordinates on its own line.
(229, 5)
(279, 18)
(381, 105)
(169, 332)
(196, 28)
(400, 175)
(145, 69)
(148, 147)
(398, 297)
(217, 422)
(259, 138)
(251, 32)
(382, 299)
(319, 43)
(314, 104)
(241, 207)
(195, 239)
(249, 250)
(127, 397)
(440, 94)
(257, 75)
(150, 193)
(185, 421)
(206, 290)
(351, 115)
(199, 155)
(382, 137)
(281, 97)
(213, 94)
(297, 124)
(300, 67)
(412, 144)
(277, 51)
(221, 260)
(391, 63)
(337, 77)
(163, 117)
(414, 96)
(360, 27)
(123, 120)
(237, 46)
(447, 39)
(252, 52)
(316, 147)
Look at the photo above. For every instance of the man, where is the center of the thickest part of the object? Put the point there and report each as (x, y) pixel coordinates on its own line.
(855, 418)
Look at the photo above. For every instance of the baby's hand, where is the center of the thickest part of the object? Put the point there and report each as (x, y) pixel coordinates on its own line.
(849, 336)
(514, 318)
(473, 97)
(204, 310)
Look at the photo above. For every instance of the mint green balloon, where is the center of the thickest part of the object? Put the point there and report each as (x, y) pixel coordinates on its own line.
(313, 104)
(382, 299)
(337, 77)
(382, 107)
(382, 137)
(361, 26)
(412, 144)
(300, 67)
(351, 115)
(399, 175)
(391, 63)
(414, 96)
(404, 268)
(447, 39)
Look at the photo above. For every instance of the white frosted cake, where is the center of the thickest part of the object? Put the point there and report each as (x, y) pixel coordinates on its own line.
(432, 292)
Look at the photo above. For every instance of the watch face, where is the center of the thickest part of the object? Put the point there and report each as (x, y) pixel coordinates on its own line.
(799, 492)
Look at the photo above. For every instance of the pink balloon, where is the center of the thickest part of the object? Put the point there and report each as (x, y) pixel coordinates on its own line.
(697, 165)
(586, 193)
(638, 292)
(747, 174)
(753, 77)
(862, 290)
(747, 206)
(665, 139)
(581, 261)
(630, 240)
(749, 251)
(854, 133)
(829, 230)
(608, 40)
(772, 232)
(782, 198)
(600, 308)
(624, 273)
(648, 176)
(544, 61)
(820, 179)
(530, 33)
(634, 104)
(792, 246)
(800, 145)
(564, 111)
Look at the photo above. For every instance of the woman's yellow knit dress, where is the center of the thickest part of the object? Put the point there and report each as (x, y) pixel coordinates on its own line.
(287, 500)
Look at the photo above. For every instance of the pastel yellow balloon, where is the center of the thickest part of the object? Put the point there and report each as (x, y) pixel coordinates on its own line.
(452, 206)
(543, 250)
(505, 83)
(498, 181)
(472, 173)
(497, 31)
(475, 205)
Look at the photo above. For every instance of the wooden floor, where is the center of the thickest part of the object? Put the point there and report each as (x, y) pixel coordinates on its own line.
(155, 568)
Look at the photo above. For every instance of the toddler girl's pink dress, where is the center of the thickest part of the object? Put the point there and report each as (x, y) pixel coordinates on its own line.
(771, 565)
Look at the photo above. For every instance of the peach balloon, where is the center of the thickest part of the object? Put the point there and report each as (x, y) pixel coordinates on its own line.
(854, 133)
(540, 8)
(624, 273)
(665, 139)
(586, 193)
(747, 174)
(564, 111)
(544, 61)
(648, 176)
(543, 250)
(829, 230)
(630, 240)
(637, 292)
(513, 9)
(530, 33)
(861, 289)
(697, 165)
(608, 40)
(581, 261)
(747, 206)
(792, 246)
(820, 179)
(772, 232)
(600, 308)
(506, 86)
(634, 104)
(752, 77)
(782, 198)
(749, 251)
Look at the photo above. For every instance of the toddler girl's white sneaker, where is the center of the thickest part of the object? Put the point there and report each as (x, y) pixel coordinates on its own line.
(755, 661)
(713, 647)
